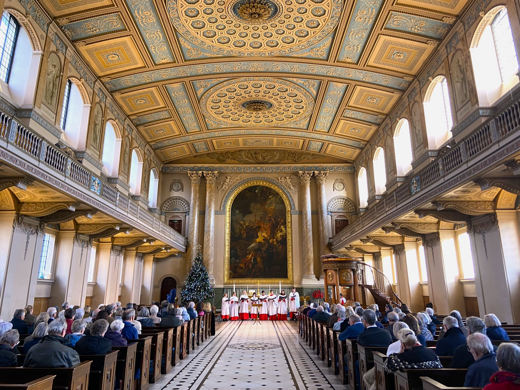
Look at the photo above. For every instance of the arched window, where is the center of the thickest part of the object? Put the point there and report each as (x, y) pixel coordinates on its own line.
(363, 188)
(75, 114)
(136, 172)
(111, 150)
(437, 108)
(19, 58)
(379, 171)
(494, 57)
(403, 147)
(153, 189)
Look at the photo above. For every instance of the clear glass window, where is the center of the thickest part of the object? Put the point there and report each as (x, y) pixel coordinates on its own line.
(363, 188)
(92, 266)
(403, 147)
(65, 109)
(8, 34)
(504, 45)
(466, 258)
(47, 257)
(422, 264)
(379, 171)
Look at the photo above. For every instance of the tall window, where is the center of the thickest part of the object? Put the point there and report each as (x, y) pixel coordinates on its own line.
(65, 109)
(111, 150)
(494, 57)
(8, 34)
(466, 259)
(75, 114)
(437, 108)
(403, 147)
(388, 267)
(379, 171)
(422, 264)
(153, 188)
(92, 265)
(136, 169)
(363, 187)
(47, 257)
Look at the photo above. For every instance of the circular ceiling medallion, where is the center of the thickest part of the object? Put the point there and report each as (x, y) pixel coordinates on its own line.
(254, 27)
(257, 101)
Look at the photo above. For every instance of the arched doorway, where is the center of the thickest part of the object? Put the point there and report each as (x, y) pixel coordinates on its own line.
(166, 286)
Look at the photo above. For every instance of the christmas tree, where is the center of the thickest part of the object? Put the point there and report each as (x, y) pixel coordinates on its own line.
(197, 287)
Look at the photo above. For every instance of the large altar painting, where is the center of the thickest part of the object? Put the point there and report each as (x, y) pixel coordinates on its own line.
(258, 245)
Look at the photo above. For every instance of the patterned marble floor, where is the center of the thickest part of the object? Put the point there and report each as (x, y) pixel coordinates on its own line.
(247, 356)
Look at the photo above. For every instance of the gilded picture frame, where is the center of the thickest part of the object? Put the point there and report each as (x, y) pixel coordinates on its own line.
(238, 190)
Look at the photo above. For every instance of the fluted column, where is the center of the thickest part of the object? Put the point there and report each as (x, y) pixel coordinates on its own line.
(321, 179)
(209, 222)
(194, 217)
(308, 252)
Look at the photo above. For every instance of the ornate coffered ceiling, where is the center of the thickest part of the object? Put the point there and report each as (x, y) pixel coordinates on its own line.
(204, 76)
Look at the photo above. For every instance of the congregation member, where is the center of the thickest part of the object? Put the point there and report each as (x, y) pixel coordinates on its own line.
(69, 319)
(244, 306)
(114, 334)
(40, 331)
(51, 351)
(77, 332)
(321, 316)
(345, 324)
(354, 329)
(172, 320)
(342, 316)
(154, 310)
(233, 304)
(164, 308)
(423, 326)
(110, 309)
(455, 314)
(8, 342)
(282, 306)
(224, 311)
(333, 318)
(431, 313)
(185, 315)
(462, 357)
(272, 305)
(312, 312)
(392, 318)
(18, 322)
(95, 343)
(144, 318)
(191, 310)
(413, 355)
(453, 337)
(508, 362)
(485, 365)
(342, 300)
(373, 336)
(129, 332)
(254, 309)
(395, 347)
(264, 310)
(52, 312)
(30, 318)
(410, 320)
(294, 303)
(306, 311)
(42, 317)
(494, 328)
(200, 309)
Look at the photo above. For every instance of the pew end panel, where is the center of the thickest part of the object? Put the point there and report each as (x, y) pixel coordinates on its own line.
(44, 383)
(431, 384)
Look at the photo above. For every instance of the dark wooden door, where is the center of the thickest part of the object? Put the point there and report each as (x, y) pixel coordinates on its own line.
(176, 224)
(166, 286)
(340, 224)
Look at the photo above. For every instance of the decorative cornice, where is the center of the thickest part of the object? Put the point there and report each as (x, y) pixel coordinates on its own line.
(449, 216)
(257, 169)
(466, 207)
(483, 224)
(509, 184)
(19, 182)
(62, 216)
(32, 114)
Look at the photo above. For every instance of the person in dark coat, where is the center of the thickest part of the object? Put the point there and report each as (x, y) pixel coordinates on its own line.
(95, 343)
(129, 332)
(373, 336)
(30, 318)
(354, 329)
(144, 318)
(485, 361)
(8, 342)
(453, 337)
(51, 351)
(114, 334)
(392, 318)
(462, 357)
(494, 328)
(321, 315)
(191, 310)
(172, 319)
(39, 333)
(431, 313)
(19, 323)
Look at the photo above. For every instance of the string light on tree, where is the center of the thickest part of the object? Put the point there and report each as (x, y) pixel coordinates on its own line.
(197, 287)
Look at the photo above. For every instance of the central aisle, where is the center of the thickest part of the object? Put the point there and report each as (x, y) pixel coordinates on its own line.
(247, 356)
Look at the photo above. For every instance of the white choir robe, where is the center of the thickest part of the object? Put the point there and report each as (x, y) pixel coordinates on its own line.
(254, 310)
(343, 301)
(294, 303)
(244, 307)
(264, 311)
(272, 306)
(233, 303)
(282, 308)
(224, 312)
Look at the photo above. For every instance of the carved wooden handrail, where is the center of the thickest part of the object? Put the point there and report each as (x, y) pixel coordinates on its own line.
(382, 283)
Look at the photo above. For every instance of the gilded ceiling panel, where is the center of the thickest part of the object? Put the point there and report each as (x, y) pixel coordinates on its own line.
(154, 132)
(373, 99)
(141, 100)
(419, 25)
(88, 28)
(362, 116)
(314, 146)
(64, 7)
(354, 129)
(182, 103)
(156, 116)
(342, 152)
(330, 105)
(174, 152)
(449, 6)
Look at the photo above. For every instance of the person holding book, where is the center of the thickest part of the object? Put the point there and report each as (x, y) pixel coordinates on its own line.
(294, 303)
(233, 307)
(272, 305)
(224, 313)
(264, 310)
(254, 309)
(244, 306)
(282, 306)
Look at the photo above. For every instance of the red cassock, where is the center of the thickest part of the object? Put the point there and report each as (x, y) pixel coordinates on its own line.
(263, 310)
(282, 308)
(244, 307)
(254, 309)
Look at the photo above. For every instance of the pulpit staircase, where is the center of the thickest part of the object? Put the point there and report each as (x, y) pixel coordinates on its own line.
(381, 288)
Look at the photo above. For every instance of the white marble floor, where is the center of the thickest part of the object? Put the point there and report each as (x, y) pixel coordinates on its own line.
(247, 356)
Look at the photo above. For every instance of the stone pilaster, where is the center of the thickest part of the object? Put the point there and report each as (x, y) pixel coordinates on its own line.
(323, 223)
(209, 223)
(308, 251)
(132, 276)
(194, 217)
(148, 273)
(106, 289)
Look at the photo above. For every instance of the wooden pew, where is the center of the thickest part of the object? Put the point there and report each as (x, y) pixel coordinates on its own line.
(193, 329)
(351, 352)
(44, 383)
(203, 328)
(102, 370)
(431, 384)
(366, 360)
(333, 351)
(383, 380)
(166, 347)
(328, 345)
(411, 379)
(64, 378)
(177, 333)
(184, 341)
(125, 367)
(142, 361)
(155, 354)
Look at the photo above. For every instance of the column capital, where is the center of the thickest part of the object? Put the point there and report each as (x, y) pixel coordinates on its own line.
(432, 239)
(483, 224)
(28, 225)
(195, 177)
(321, 176)
(305, 176)
(211, 177)
(399, 249)
(377, 256)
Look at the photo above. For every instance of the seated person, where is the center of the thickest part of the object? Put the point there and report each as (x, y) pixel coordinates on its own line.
(453, 337)
(431, 313)
(114, 334)
(311, 312)
(51, 351)
(320, 315)
(410, 320)
(172, 319)
(19, 323)
(395, 347)
(494, 328)
(308, 309)
(39, 333)
(144, 318)
(335, 316)
(191, 311)
(129, 332)
(508, 361)
(432, 325)
(462, 357)
(8, 342)
(95, 343)
(77, 329)
(373, 336)
(354, 329)
(392, 318)
(424, 319)
(413, 354)
(342, 314)
(30, 318)
(455, 314)
(154, 310)
(485, 361)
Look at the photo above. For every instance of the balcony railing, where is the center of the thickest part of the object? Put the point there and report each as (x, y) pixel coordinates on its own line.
(32, 144)
(465, 152)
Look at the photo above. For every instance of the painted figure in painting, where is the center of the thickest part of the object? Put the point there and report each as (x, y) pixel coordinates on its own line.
(258, 237)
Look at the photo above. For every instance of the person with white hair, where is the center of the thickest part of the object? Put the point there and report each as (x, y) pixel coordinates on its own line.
(8, 342)
(508, 361)
(52, 352)
(154, 310)
(485, 364)
(494, 328)
(78, 328)
(423, 321)
(40, 331)
(452, 339)
(354, 329)
(413, 355)
(392, 318)
(114, 334)
(342, 315)
(4, 327)
(431, 324)
(52, 312)
(95, 343)
(191, 310)
(395, 347)
(462, 357)
(80, 313)
(321, 316)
